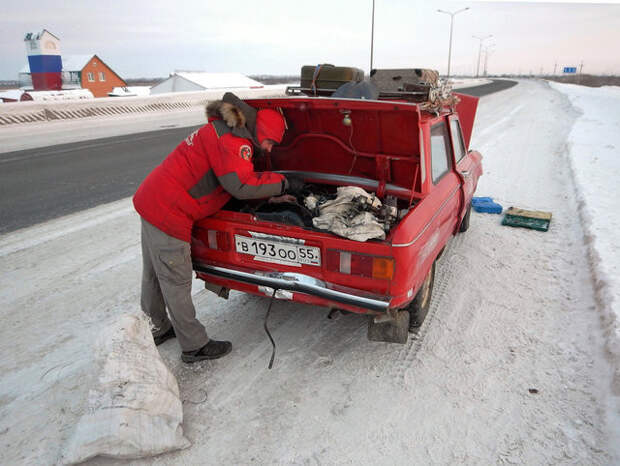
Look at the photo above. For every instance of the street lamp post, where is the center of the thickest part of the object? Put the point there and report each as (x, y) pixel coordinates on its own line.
(481, 39)
(372, 34)
(487, 50)
(452, 14)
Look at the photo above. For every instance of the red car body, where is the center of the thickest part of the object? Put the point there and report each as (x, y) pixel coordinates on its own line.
(385, 147)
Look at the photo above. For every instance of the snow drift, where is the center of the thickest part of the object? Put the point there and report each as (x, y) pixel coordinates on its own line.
(593, 146)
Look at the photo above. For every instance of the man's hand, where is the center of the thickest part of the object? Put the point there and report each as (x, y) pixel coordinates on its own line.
(295, 185)
(284, 199)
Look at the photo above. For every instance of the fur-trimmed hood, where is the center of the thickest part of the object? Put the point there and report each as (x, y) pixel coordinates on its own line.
(232, 115)
(238, 115)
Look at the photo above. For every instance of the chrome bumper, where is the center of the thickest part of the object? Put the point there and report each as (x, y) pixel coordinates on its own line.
(295, 282)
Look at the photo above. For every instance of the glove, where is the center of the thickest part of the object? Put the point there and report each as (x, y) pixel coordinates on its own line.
(294, 185)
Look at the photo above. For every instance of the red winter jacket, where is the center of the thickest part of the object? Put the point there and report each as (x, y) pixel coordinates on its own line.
(200, 176)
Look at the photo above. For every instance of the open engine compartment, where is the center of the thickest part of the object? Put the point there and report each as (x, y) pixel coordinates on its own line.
(361, 161)
(348, 211)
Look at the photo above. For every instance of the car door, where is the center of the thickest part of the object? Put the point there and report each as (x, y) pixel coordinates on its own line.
(446, 190)
(466, 165)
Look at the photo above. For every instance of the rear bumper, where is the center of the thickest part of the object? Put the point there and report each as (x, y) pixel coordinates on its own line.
(300, 283)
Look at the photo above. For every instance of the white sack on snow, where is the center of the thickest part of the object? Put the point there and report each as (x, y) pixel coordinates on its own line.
(342, 215)
(135, 410)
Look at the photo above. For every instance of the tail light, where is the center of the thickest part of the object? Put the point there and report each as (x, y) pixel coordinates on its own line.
(219, 240)
(363, 265)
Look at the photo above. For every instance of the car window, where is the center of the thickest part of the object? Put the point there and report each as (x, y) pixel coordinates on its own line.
(457, 140)
(440, 151)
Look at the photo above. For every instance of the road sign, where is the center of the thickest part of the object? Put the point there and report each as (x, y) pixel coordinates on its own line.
(570, 69)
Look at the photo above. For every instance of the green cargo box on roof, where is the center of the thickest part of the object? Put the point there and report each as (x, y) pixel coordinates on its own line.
(329, 77)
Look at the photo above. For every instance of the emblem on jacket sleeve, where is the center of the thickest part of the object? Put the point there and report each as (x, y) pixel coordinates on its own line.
(189, 140)
(245, 152)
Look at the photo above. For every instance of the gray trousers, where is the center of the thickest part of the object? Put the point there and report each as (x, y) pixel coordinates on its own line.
(167, 282)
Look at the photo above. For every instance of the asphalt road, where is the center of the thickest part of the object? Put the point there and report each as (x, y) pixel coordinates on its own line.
(484, 89)
(37, 185)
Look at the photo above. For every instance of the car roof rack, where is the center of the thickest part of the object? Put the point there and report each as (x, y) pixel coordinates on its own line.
(420, 95)
(416, 85)
(431, 99)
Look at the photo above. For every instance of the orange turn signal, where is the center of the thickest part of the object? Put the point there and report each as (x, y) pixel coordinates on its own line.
(382, 267)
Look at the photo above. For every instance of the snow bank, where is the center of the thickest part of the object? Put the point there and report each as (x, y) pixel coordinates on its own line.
(594, 148)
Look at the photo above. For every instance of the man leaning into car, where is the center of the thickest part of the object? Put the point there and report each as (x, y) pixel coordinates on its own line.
(197, 179)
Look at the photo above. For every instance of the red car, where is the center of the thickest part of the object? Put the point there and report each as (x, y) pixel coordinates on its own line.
(416, 160)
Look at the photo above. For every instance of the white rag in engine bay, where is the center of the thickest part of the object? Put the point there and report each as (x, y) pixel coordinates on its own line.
(354, 214)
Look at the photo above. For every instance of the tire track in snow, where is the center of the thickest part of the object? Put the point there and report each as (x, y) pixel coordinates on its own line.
(403, 363)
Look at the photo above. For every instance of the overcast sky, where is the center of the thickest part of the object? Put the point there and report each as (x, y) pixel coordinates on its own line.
(151, 38)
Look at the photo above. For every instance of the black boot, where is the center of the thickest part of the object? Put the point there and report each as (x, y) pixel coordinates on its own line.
(212, 350)
(164, 336)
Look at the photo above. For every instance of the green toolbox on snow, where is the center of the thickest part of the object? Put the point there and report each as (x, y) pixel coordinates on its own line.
(533, 219)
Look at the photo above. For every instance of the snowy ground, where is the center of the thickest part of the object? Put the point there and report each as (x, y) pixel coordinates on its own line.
(513, 310)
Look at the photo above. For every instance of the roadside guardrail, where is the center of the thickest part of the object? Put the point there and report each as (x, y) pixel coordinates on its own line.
(17, 113)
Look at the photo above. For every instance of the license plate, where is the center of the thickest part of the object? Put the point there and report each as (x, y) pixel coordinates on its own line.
(279, 252)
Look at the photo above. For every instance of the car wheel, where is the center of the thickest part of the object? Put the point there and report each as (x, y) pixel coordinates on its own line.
(394, 331)
(465, 223)
(421, 303)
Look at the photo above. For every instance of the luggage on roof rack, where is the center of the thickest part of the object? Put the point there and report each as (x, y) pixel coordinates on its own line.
(418, 85)
(398, 80)
(413, 84)
(325, 79)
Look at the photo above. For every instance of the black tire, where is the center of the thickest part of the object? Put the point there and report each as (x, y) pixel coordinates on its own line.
(465, 223)
(422, 302)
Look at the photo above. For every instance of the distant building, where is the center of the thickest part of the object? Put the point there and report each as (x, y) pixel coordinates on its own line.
(44, 62)
(188, 81)
(90, 72)
(83, 71)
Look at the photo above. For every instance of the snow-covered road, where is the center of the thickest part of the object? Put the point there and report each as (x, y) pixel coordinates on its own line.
(510, 367)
